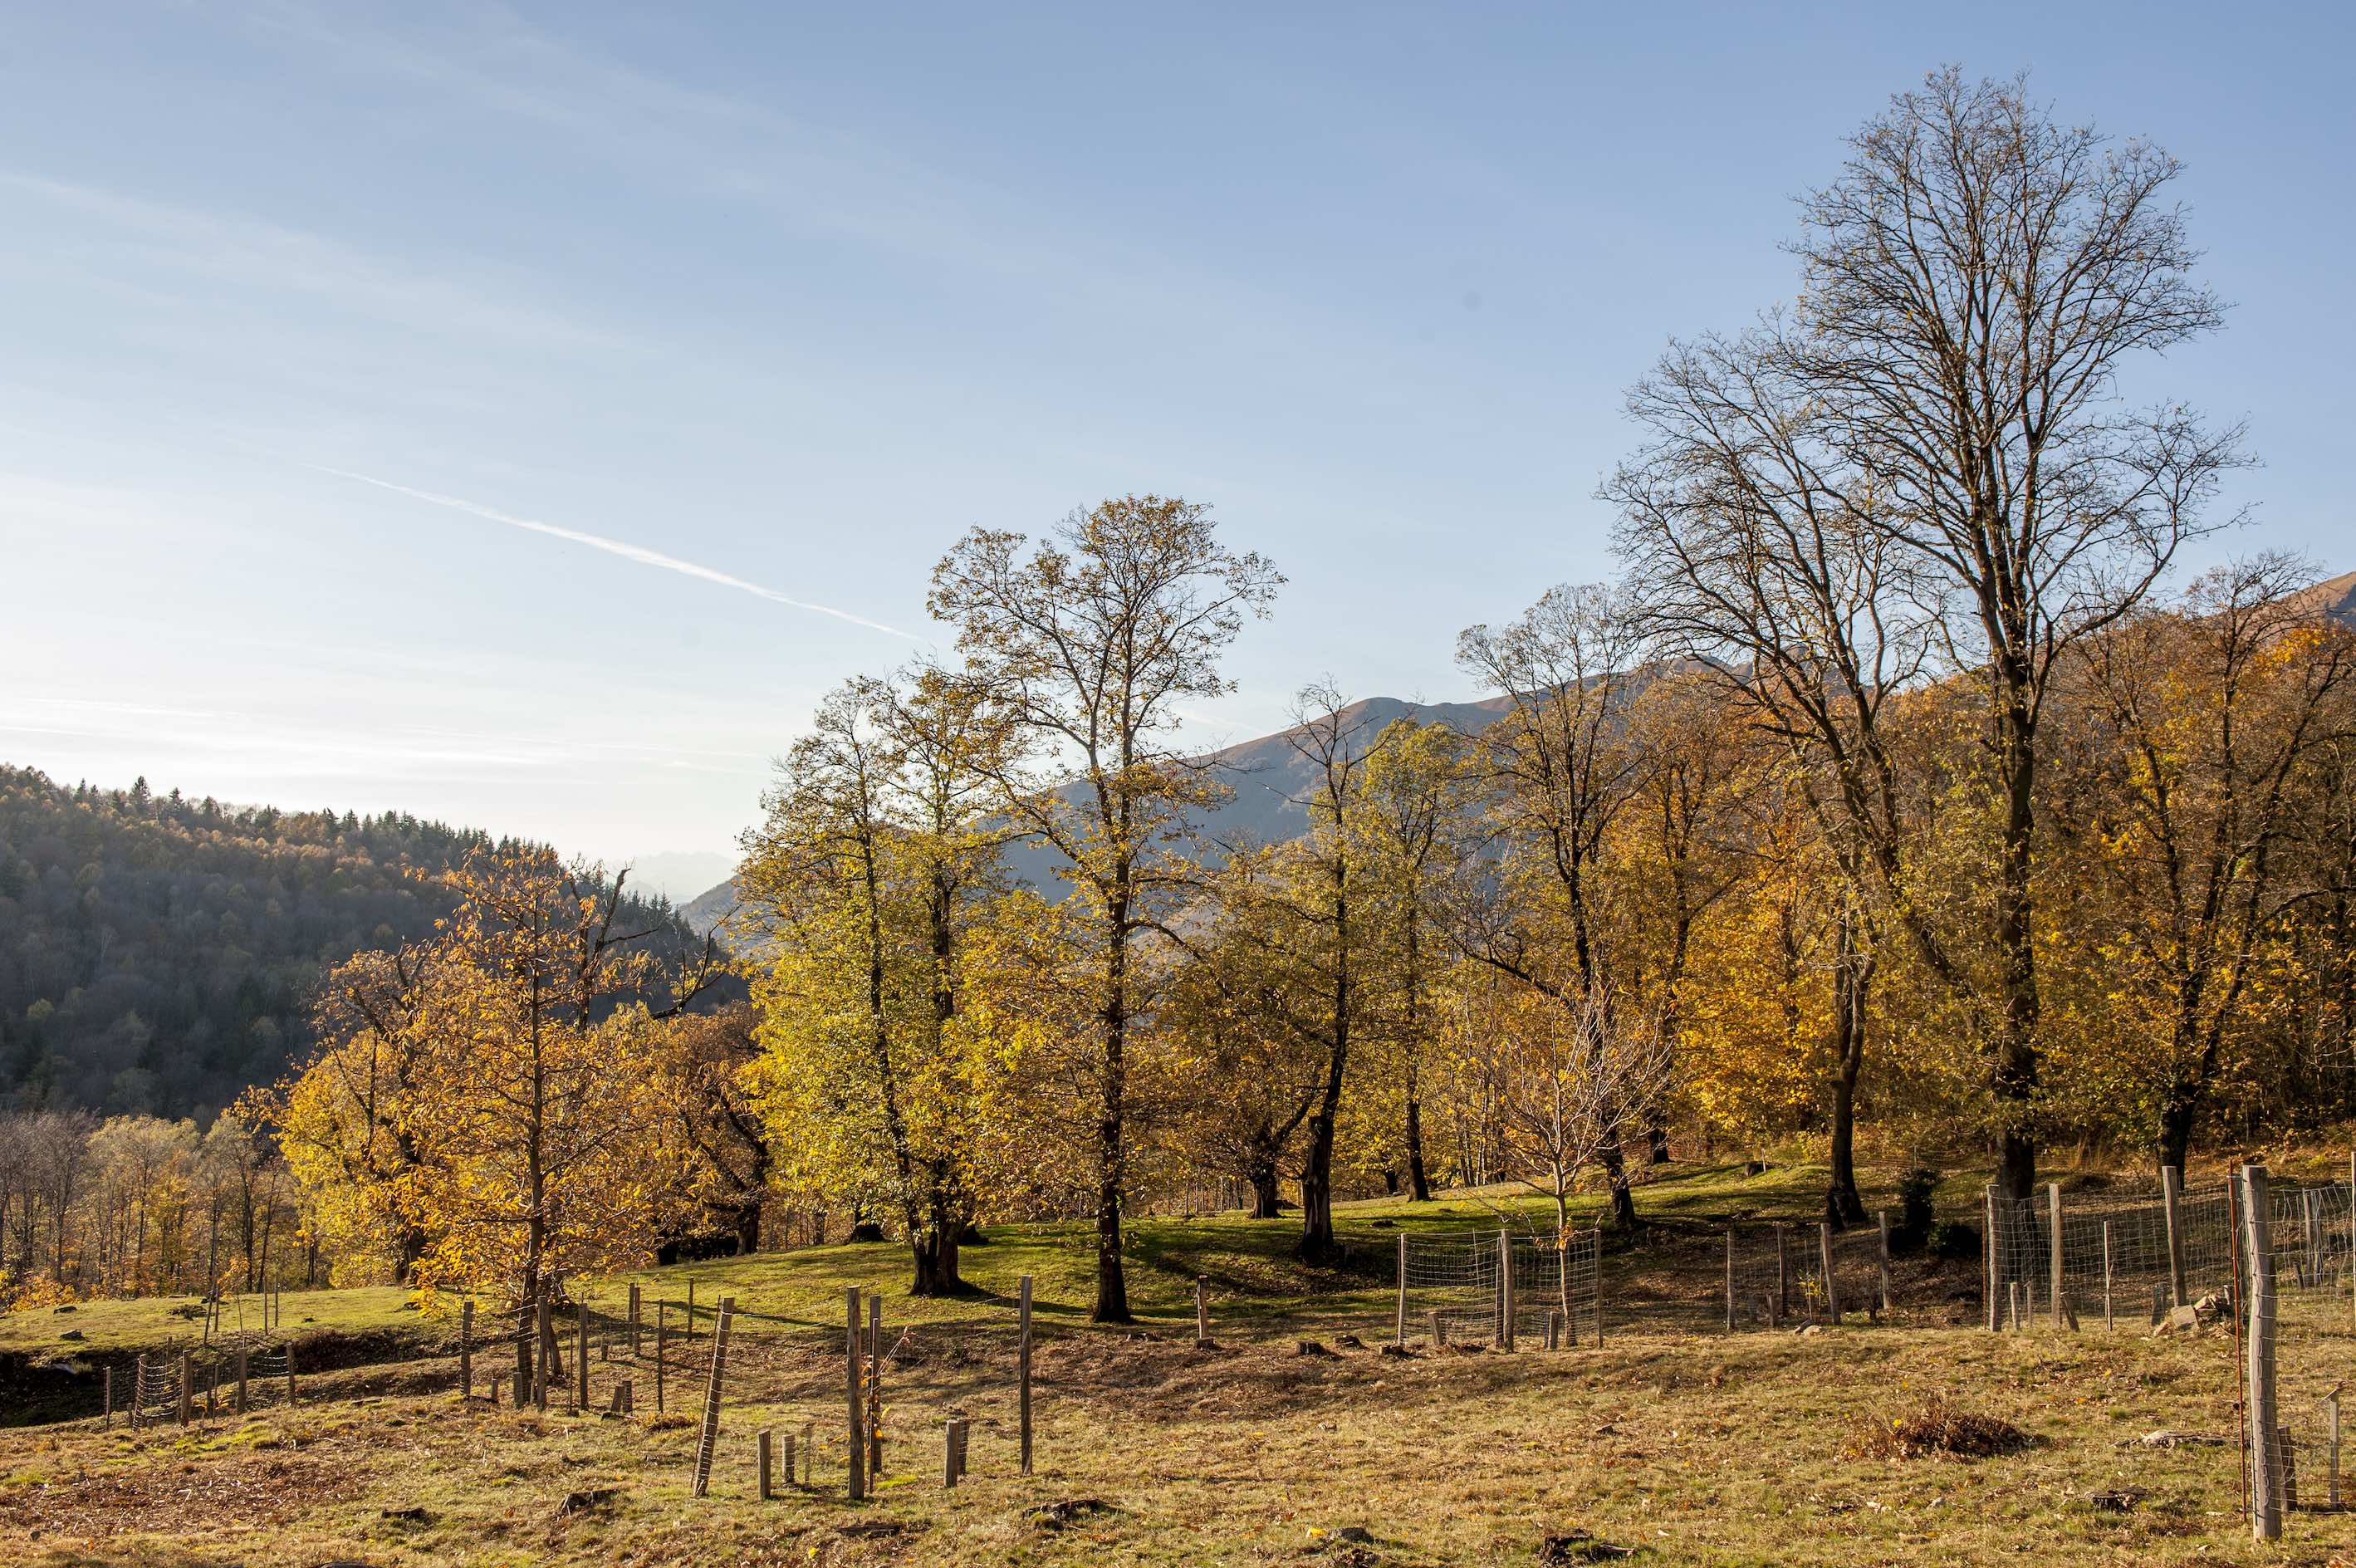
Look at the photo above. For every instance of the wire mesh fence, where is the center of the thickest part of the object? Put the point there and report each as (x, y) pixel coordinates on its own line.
(2120, 1260)
(2296, 1329)
(1502, 1287)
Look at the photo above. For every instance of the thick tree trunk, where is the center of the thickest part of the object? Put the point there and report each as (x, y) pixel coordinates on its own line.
(1419, 1179)
(1266, 1190)
(1317, 1194)
(1621, 1215)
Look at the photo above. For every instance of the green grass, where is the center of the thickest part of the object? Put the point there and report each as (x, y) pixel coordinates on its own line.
(1248, 1264)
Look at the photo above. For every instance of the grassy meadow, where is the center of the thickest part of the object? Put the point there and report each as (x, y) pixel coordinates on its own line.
(1680, 1446)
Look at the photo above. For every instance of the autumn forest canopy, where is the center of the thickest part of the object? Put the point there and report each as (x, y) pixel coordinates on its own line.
(1905, 796)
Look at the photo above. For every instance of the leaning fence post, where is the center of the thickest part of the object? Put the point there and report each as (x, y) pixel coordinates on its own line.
(1202, 1313)
(856, 1448)
(1825, 1253)
(2171, 1193)
(2266, 1434)
(1730, 1279)
(1398, 1331)
(1023, 1359)
(708, 1438)
(1881, 1221)
(2055, 1246)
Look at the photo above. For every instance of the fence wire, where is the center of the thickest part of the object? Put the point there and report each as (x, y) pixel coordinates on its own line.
(1498, 1287)
(2299, 1307)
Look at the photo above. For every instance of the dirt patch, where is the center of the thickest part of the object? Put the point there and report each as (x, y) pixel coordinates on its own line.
(167, 1495)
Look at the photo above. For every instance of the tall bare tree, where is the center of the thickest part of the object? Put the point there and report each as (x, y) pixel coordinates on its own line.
(1975, 283)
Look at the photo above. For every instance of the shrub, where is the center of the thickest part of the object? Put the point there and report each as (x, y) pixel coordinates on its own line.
(1914, 1219)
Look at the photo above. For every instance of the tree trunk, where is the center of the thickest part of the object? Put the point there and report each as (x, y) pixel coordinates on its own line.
(1843, 1206)
(2015, 1077)
(1419, 1179)
(1266, 1190)
(1317, 1194)
(1621, 1215)
(1112, 1284)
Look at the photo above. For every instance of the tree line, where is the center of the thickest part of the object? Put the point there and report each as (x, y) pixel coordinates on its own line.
(1901, 793)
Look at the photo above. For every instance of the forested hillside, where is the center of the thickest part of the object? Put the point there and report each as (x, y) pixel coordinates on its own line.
(159, 954)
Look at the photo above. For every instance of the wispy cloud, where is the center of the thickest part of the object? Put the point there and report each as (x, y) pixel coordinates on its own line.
(255, 253)
(622, 548)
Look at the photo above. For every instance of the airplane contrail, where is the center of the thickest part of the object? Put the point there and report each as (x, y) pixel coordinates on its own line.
(628, 552)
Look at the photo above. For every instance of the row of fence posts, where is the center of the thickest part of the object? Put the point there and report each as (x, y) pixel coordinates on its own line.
(183, 1393)
(1779, 1301)
(2014, 1300)
(865, 1352)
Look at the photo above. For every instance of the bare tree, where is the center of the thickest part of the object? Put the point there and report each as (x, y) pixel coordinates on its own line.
(1557, 770)
(1090, 643)
(1974, 282)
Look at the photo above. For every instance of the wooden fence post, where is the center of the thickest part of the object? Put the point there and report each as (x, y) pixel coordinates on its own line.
(2171, 1192)
(1202, 1313)
(637, 1320)
(544, 1338)
(708, 1439)
(1989, 1255)
(1730, 1279)
(1023, 1354)
(2109, 1275)
(2056, 1248)
(1824, 1254)
(290, 1374)
(1398, 1331)
(1783, 1278)
(187, 1397)
(138, 1391)
(1881, 1221)
(107, 1373)
(761, 1464)
(949, 1453)
(2265, 1446)
(1505, 1290)
(875, 1387)
(661, 1327)
(241, 1379)
(2331, 1438)
(791, 1475)
(581, 1358)
(856, 1445)
(466, 1357)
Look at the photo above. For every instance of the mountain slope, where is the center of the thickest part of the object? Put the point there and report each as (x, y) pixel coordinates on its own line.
(158, 954)
(1268, 779)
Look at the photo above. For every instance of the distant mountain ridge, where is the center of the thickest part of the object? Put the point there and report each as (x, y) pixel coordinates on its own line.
(1269, 776)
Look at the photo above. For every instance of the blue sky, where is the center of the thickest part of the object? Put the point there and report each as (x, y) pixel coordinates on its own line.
(303, 307)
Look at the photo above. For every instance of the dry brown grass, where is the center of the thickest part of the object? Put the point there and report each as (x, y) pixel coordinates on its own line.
(1694, 1449)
